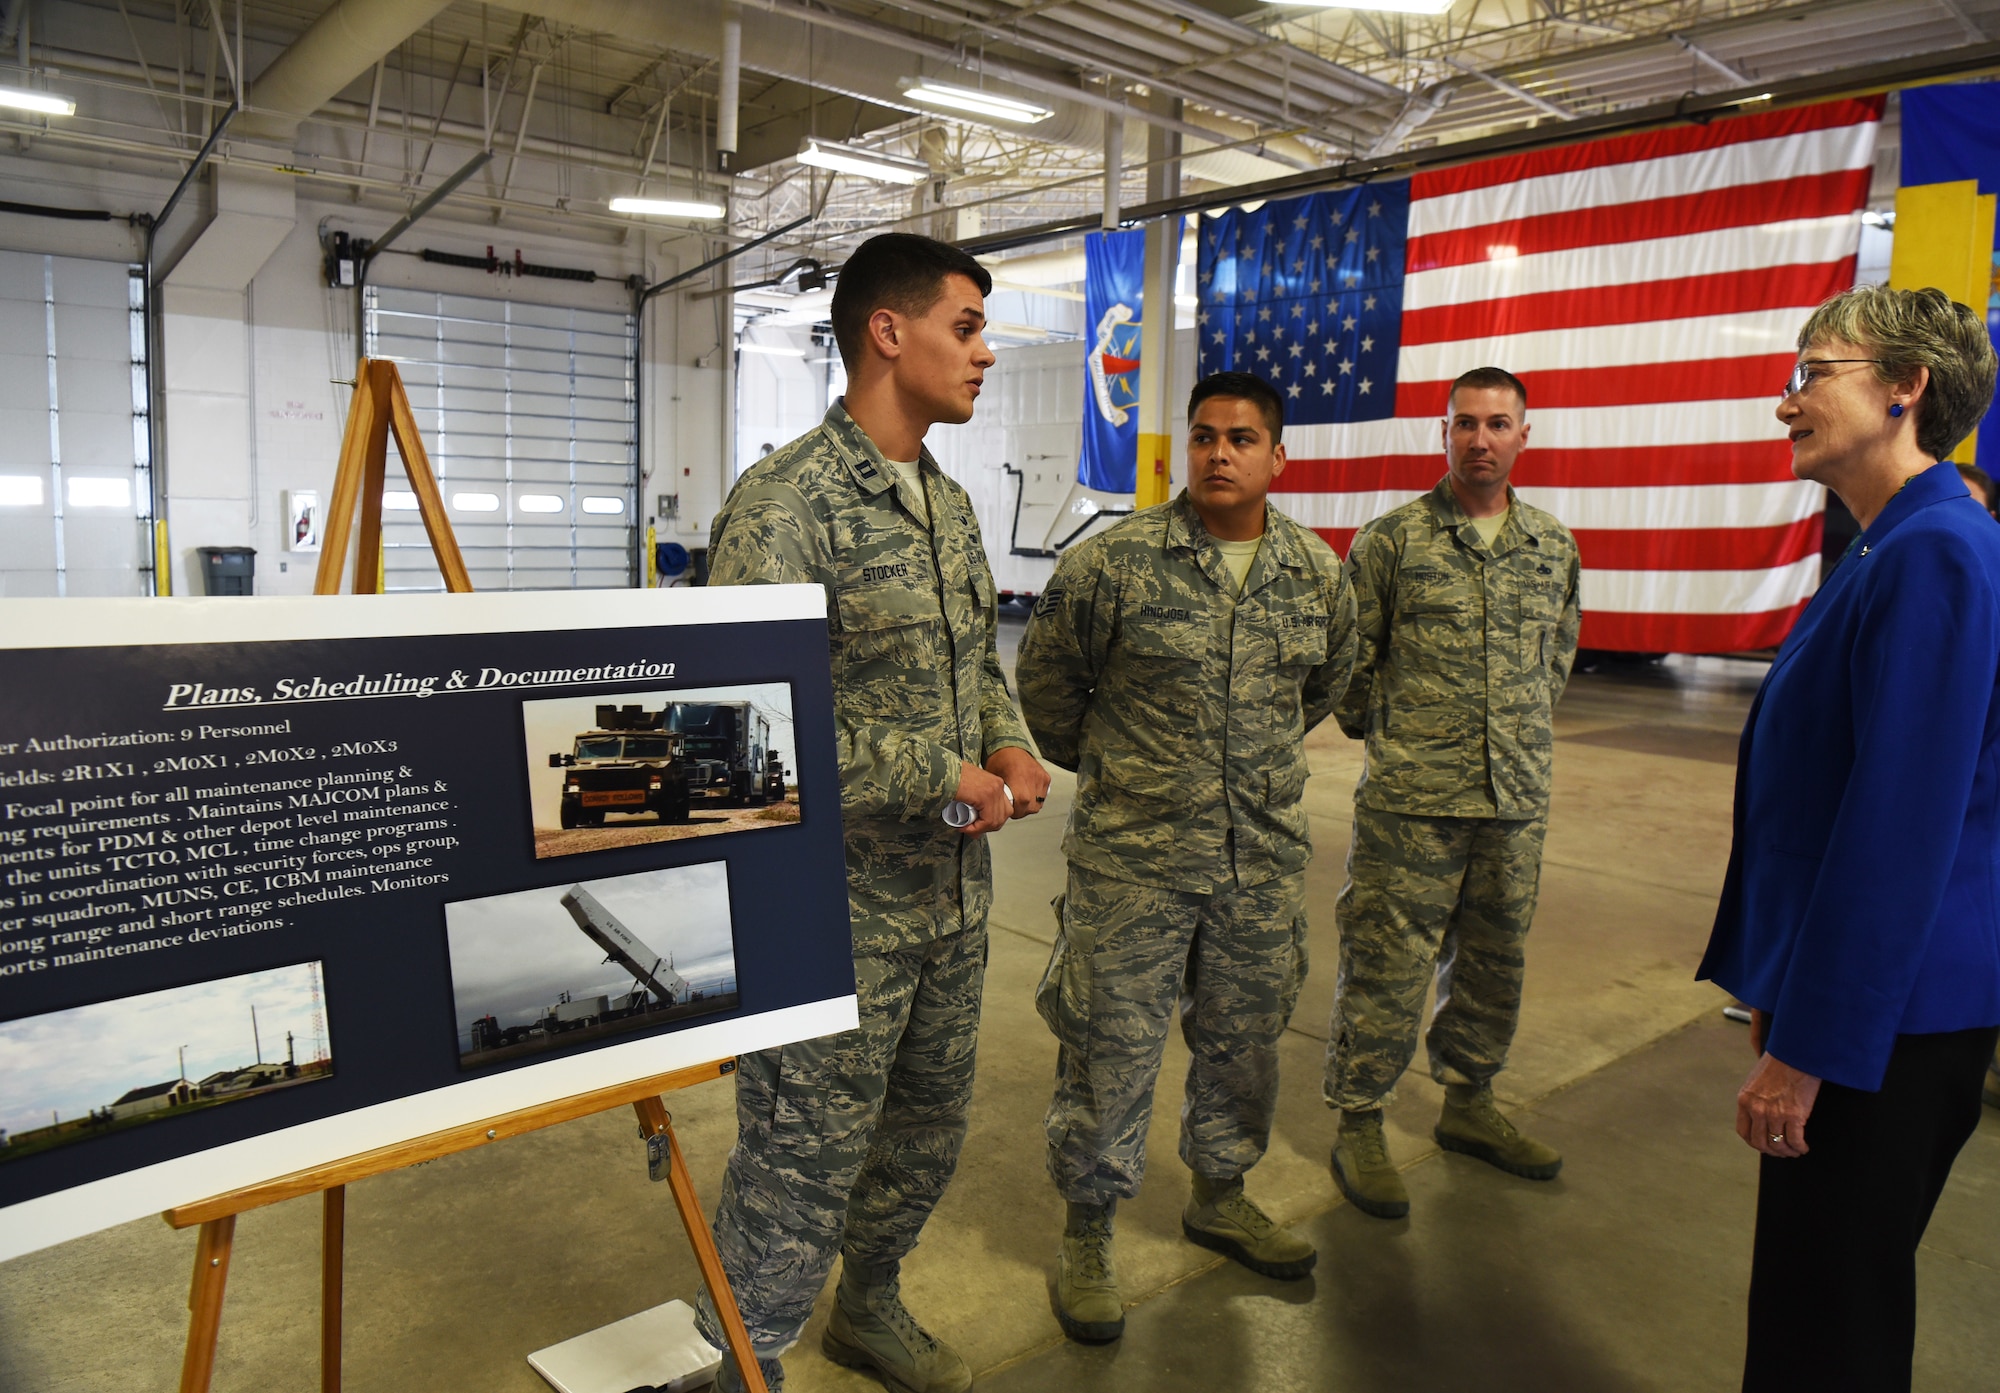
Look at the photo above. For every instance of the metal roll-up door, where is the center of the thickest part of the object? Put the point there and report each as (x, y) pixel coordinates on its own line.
(76, 492)
(529, 415)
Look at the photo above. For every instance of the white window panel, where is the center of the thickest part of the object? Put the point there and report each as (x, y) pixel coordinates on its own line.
(532, 405)
(88, 492)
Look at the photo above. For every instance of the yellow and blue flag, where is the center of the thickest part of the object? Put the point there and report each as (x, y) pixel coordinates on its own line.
(1944, 215)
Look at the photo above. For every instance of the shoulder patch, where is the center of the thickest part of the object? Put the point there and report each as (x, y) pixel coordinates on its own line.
(1046, 602)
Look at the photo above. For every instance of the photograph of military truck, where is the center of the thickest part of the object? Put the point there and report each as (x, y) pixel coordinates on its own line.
(728, 751)
(655, 766)
(628, 762)
(571, 963)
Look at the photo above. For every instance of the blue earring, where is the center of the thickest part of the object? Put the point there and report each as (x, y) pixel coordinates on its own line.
(1895, 408)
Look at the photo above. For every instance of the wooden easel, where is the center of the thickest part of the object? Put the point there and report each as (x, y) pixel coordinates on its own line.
(217, 1217)
(380, 406)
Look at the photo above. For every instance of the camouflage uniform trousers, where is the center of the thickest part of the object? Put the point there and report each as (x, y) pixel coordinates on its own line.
(1124, 956)
(1454, 895)
(844, 1144)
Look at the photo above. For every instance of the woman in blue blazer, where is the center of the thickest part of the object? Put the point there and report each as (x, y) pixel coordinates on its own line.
(1860, 919)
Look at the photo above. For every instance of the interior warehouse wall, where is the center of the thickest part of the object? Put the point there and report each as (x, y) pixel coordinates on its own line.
(779, 398)
(1030, 417)
(252, 403)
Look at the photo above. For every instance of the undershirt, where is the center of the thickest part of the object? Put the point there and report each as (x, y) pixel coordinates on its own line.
(908, 472)
(1238, 557)
(1489, 528)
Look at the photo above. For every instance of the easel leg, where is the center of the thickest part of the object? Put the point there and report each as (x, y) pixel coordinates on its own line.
(211, 1274)
(332, 1254)
(653, 1121)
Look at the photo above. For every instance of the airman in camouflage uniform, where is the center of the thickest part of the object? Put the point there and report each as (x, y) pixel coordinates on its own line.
(845, 1143)
(1466, 644)
(1182, 705)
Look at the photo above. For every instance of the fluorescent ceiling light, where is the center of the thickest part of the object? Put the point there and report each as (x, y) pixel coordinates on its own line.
(36, 101)
(1403, 7)
(849, 159)
(667, 207)
(771, 349)
(20, 490)
(977, 102)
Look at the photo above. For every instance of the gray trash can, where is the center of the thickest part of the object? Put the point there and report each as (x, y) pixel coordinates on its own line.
(228, 570)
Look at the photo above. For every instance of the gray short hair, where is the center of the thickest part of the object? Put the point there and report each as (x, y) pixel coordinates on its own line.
(1911, 329)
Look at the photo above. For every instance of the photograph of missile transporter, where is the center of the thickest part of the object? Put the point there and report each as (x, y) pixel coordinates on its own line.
(630, 761)
(564, 965)
(654, 766)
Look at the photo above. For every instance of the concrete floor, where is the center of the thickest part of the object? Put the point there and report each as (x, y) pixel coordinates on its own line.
(1626, 1273)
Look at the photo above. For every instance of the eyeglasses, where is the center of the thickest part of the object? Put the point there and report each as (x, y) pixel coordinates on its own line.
(1803, 376)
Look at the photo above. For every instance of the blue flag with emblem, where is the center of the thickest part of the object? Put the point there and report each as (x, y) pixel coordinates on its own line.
(1114, 273)
(1308, 295)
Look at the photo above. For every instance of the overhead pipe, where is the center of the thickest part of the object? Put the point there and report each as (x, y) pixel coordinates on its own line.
(342, 44)
(729, 90)
(1114, 167)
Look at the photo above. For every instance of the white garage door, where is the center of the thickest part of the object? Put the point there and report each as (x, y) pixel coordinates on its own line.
(529, 415)
(76, 494)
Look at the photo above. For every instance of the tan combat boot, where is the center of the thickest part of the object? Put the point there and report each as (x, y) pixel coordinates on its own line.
(1472, 1125)
(1222, 1217)
(872, 1330)
(1087, 1301)
(1362, 1168)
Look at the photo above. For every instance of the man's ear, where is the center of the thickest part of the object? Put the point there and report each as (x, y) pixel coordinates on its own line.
(1524, 435)
(885, 333)
(1277, 460)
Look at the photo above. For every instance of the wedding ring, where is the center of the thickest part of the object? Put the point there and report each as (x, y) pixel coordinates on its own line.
(1777, 1136)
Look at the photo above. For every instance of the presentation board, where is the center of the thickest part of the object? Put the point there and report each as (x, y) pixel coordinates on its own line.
(284, 880)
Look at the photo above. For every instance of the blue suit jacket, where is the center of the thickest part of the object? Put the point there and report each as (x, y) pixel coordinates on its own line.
(1863, 894)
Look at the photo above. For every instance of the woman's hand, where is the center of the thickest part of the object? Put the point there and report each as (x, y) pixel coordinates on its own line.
(1775, 1101)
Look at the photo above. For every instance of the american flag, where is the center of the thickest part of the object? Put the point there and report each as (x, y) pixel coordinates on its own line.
(1646, 288)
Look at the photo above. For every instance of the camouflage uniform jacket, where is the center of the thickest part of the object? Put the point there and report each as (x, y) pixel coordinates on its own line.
(917, 686)
(1464, 652)
(1184, 713)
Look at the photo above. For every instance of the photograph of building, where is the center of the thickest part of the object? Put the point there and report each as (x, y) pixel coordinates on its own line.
(68, 1076)
(1617, 350)
(570, 963)
(659, 766)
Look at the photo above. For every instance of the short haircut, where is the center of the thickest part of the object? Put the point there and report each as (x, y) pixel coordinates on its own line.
(1498, 379)
(1242, 386)
(1981, 480)
(897, 271)
(1911, 329)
